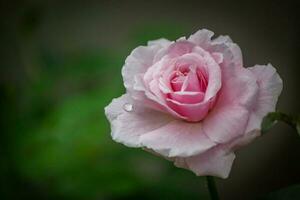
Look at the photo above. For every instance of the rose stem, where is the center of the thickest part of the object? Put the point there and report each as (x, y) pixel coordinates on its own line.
(212, 188)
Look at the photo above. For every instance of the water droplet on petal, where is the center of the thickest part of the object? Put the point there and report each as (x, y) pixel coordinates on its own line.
(128, 107)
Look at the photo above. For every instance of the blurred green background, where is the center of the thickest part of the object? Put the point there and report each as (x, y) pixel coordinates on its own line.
(61, 65)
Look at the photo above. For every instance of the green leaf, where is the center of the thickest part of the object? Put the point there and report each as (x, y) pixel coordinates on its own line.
(272, 118)
(268, 122)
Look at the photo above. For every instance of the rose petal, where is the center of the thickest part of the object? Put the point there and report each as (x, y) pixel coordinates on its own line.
(178, 138)
(202, 38)
(180, 48)
(215, 162)
(159, 104)
(187, 97)
(222, 39)
(191, 83)
(156, 131)
(201, 58)
(193, 112)
(218, 57)
(127, 127)
(225, 123)
(270, 87)
(138, 62)
(162, 42)
(177, 83)
(239, 87)
(232, 53)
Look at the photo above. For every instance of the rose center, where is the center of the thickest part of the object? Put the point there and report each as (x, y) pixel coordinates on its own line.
(193, 79)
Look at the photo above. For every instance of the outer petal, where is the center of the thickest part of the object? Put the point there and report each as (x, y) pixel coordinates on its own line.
(232, 53)
(193, 112)
(187, 97)
(270, 87)
(180, 48)
(143, 127)
(137, 63)
(202, 38)
(229, 118)
(127, 127)
(215, 162)
(222, 44)
(223, 39)
(224, 124)
(161, 42)
(239, 87)
(178, 138)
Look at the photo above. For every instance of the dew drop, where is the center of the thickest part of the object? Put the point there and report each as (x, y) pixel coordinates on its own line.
(128, 107)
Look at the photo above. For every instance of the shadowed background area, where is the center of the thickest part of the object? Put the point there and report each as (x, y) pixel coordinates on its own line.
(61, 65)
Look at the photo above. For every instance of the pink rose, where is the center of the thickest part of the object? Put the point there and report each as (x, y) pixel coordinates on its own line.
(192, 101)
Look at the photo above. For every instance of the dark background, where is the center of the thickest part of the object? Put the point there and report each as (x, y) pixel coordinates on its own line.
(61, 65)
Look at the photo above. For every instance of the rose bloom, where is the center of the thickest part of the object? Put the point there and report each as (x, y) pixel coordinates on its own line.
(192, 101)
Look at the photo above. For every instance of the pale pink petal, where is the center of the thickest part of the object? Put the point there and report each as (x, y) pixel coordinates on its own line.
(203, 79)
(156, 70)
(191, 83)
(270, 87)
(178, 138)
(139, 84)
(164, 86)
(180, 48)
(224, 123)
(177, 83)
(218, 57)
(201, 38)
(213, 71)
(162, 53)
(239, 87)
(222, 39)
(193, 112)
(153, 97)
(151, 94)
(164, 43)
(238, 94)
(161, 42)
(187, 97)
(143, 127)
(232, 53)
(128, 126)
(215, 162)
(222, 44)
(142, 95)
(158, 104)
(183, 38)
(138, 62)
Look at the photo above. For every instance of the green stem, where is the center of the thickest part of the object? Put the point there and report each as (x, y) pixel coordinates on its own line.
(212, 188)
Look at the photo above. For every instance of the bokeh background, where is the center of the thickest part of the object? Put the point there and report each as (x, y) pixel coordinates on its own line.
(60, 66)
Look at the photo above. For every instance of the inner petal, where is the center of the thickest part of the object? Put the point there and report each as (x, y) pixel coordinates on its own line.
(191, 78)
(191, 82)
(187, 97)
(203, 79)
(177, 81)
